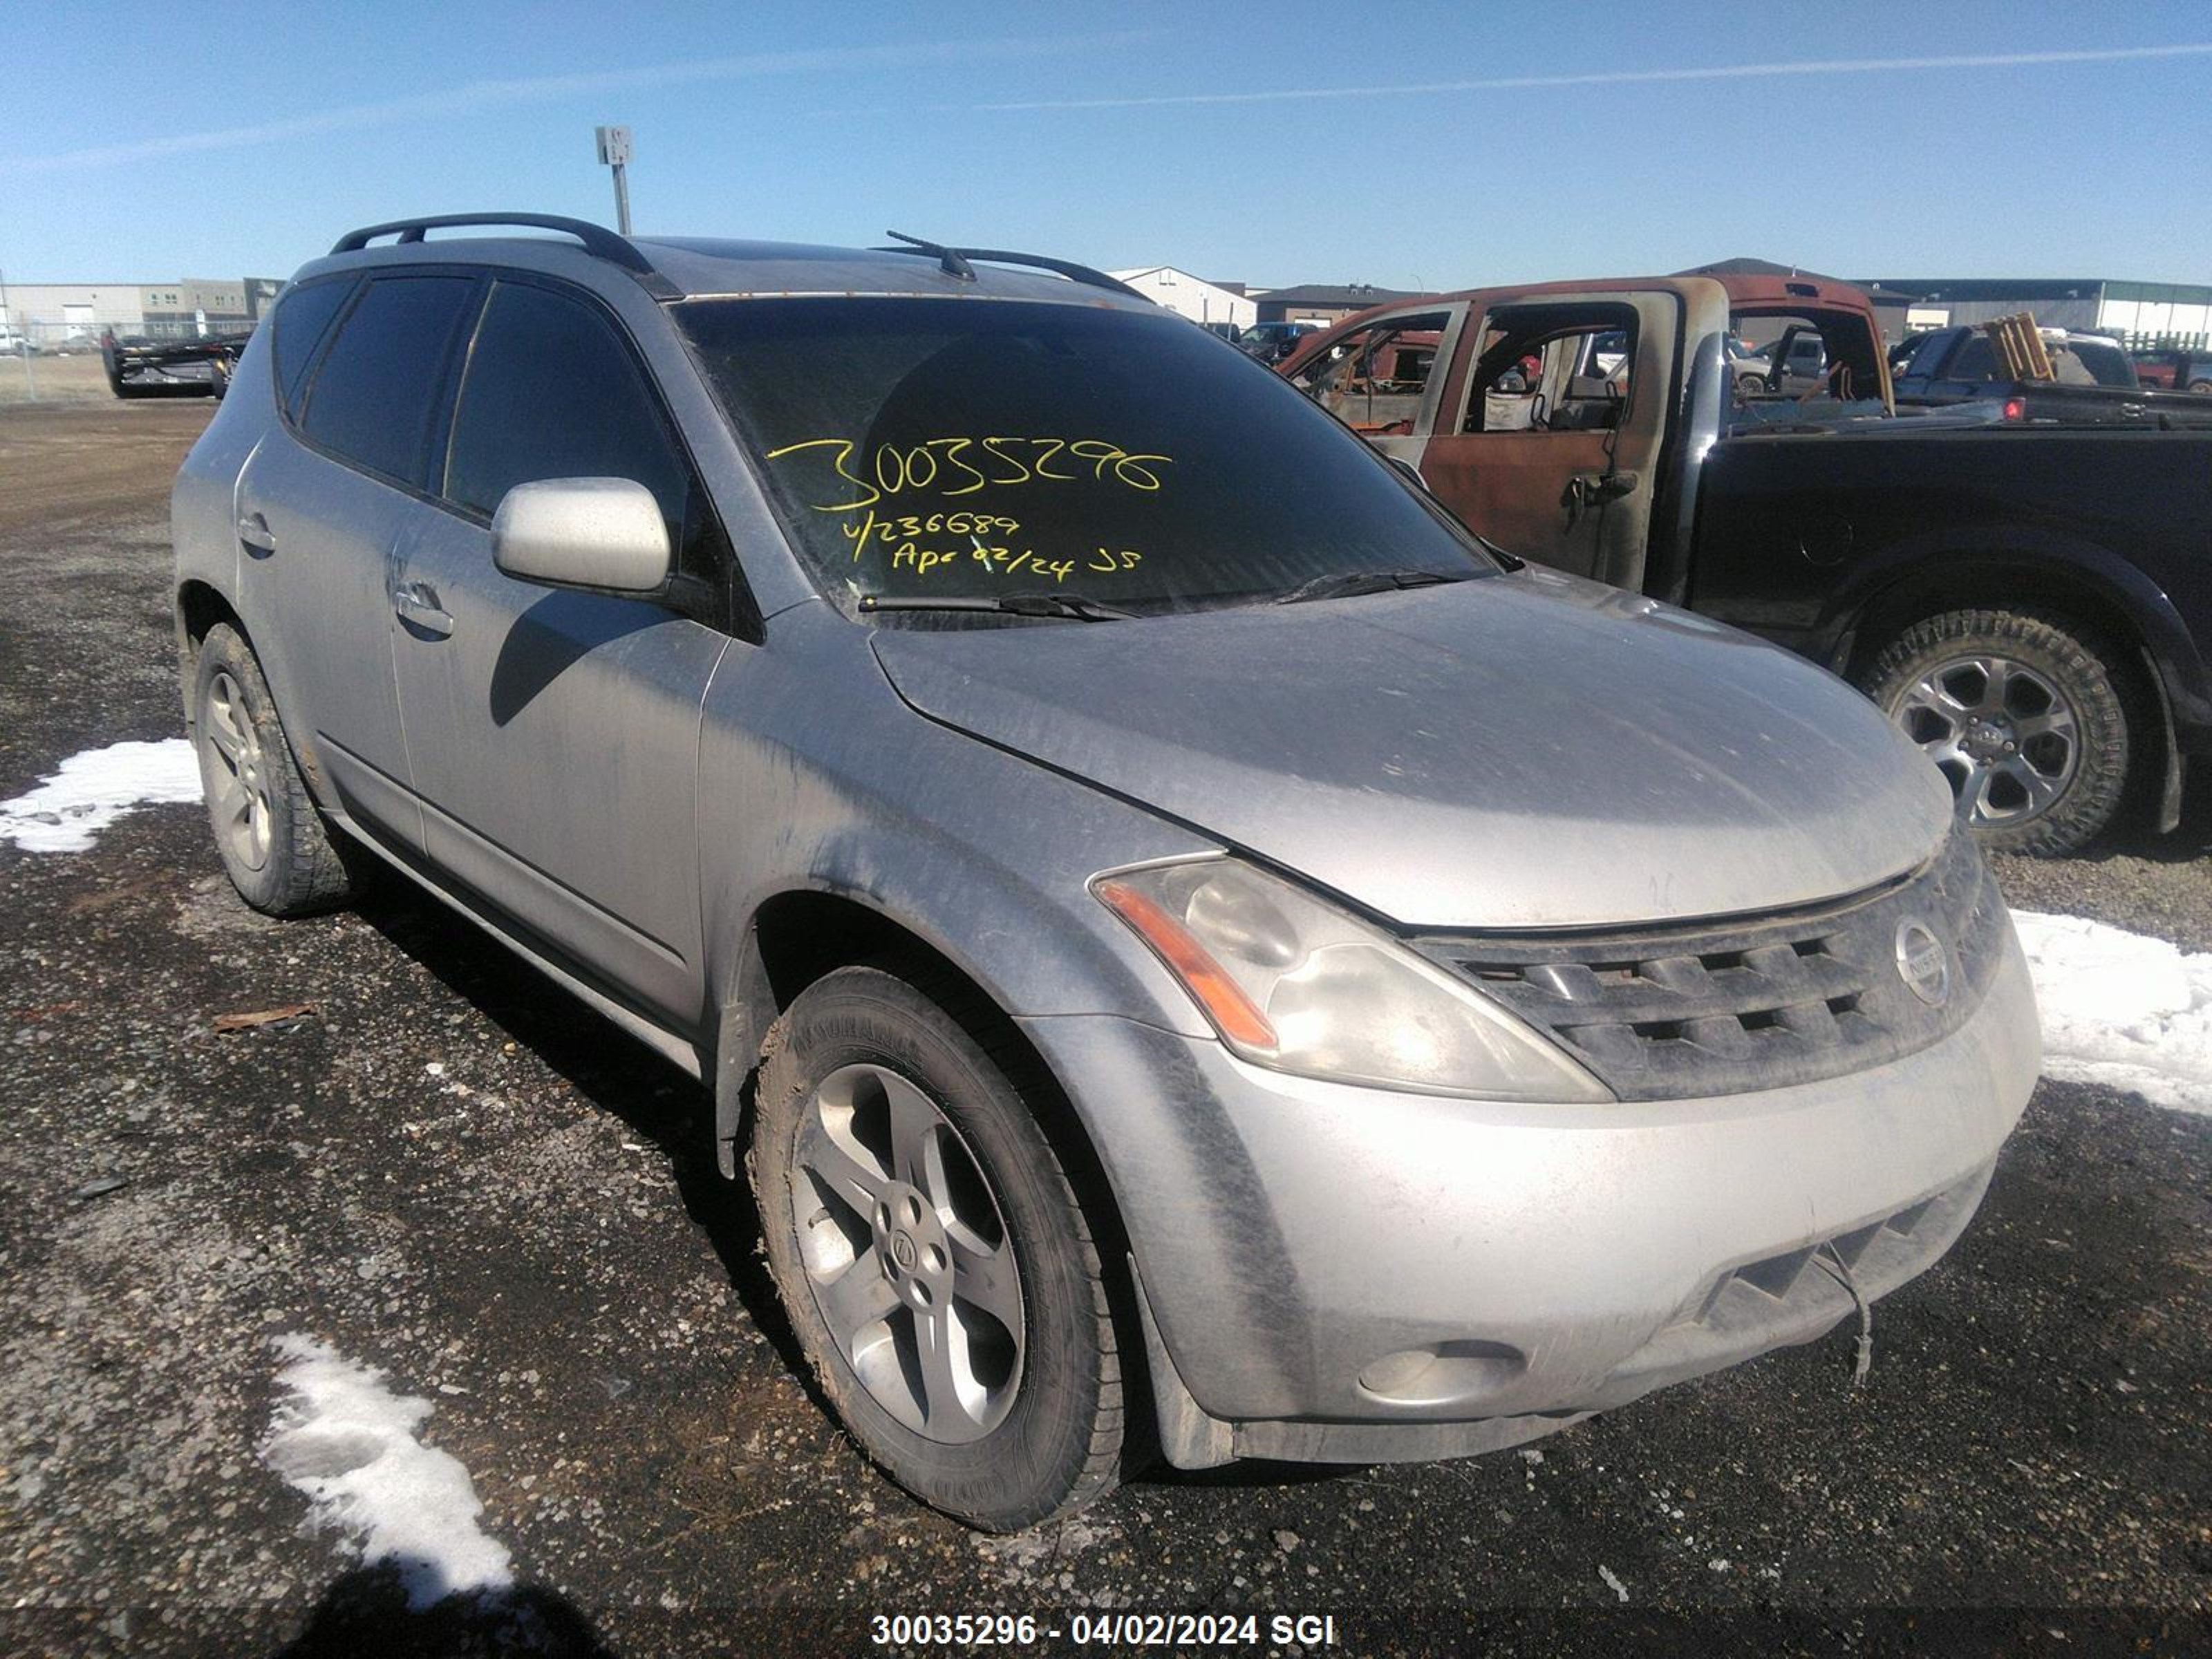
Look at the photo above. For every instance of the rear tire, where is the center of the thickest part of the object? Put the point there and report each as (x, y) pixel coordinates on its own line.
(938, 1270)
(2023, 714)
(274, 847)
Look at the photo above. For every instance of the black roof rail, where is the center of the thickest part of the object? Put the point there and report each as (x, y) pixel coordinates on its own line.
(954, 262)
(598, 240)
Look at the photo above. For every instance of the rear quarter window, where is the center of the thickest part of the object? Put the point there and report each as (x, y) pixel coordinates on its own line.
(303, 318)
(373, 399)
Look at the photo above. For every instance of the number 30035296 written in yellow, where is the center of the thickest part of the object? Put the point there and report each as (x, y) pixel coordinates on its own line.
(952, 467)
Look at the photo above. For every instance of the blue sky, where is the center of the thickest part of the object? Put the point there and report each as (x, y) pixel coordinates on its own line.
(1280, 144)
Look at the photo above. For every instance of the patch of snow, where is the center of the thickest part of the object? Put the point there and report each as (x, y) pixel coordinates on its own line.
(344, 1439)
(70, 808)
(2121, 1009)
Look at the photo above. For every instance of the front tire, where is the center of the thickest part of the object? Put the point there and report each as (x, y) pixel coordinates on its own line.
(2023, 715)
(936, 1266)
(274, 847)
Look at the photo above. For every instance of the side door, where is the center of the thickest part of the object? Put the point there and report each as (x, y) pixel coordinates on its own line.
(553, 734)
(1384, 378)
(322, 505)
(1546, 439)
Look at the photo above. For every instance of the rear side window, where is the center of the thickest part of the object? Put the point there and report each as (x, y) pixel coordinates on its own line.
(302, 319)
(374, 398)
(1975, 360)
(551, 392)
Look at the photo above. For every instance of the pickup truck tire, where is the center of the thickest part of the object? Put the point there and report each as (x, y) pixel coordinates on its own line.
(2023, 714)
(2200, 386)
(937, 1268)
(274, 844)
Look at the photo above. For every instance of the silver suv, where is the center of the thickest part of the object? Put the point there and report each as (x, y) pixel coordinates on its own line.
(1172, 922)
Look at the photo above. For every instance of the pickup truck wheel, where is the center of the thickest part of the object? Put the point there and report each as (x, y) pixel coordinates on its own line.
(2021, 715)
(274, 844)
(2200, 386)
(935, 1264)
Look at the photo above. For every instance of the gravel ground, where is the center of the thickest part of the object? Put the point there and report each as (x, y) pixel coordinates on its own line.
(449, 1170)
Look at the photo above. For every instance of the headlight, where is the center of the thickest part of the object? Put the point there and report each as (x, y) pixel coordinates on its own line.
(1294, 983)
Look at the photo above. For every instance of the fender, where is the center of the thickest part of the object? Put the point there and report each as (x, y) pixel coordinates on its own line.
(1961, 565)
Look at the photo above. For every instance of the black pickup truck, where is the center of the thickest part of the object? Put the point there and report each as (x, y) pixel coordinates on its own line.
(2030, 600)
(2097, 383)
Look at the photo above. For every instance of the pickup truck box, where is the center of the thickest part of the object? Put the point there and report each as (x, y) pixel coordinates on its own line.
(2097, 383)
(2028, 599)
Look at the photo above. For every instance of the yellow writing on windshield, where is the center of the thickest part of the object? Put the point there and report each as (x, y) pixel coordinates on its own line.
(949, 467)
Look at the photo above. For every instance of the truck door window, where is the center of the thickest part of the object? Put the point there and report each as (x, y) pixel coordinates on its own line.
(1551, 369)
(1373, 380)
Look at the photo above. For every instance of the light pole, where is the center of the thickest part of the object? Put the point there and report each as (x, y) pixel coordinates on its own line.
(614, 152)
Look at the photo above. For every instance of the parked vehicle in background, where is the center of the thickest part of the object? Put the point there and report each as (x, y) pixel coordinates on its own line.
(2031, 599)
(1953, 365)
(2174, 370)
(1273, 342)
(1168, 921)
(1793, 365)
(140, 367)
(1747, 368)
(1228, 331)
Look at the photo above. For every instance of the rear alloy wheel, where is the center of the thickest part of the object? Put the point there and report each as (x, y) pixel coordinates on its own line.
(274, 847)
(935, 1264)
(2021, 714)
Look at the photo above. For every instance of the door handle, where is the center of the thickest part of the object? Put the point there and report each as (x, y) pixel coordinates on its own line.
(253, 532)
(1587, 489)
(417, 605)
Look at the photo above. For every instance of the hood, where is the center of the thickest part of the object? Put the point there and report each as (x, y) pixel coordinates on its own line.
(1525, 751)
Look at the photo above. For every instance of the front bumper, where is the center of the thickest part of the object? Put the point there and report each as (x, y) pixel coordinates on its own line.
(1341, 1274)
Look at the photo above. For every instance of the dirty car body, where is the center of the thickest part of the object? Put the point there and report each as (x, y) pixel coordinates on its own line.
(1685, 1017)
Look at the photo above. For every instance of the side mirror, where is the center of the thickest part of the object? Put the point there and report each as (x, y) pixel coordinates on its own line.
(604, 534)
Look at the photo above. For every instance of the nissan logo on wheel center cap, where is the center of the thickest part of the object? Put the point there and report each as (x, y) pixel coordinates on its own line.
(1922, 964)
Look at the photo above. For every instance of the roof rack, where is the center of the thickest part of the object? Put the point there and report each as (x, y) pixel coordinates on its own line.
(598, 240)
(954, 262)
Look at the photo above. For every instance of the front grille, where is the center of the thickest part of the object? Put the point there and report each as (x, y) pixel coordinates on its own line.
(1726, 1007)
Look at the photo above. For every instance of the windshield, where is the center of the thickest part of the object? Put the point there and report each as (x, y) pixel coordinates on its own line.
(959, 448)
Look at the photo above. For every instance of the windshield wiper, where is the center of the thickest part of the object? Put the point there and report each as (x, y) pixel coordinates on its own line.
(1342, 584)
(1072, 606)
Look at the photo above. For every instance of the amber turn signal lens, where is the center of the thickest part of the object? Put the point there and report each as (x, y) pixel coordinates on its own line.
(1223, 1000)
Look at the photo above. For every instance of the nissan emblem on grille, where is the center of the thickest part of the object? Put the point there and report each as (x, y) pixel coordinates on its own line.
(1922, 964)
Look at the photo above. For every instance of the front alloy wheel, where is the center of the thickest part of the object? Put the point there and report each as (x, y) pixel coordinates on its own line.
(2023, 716)
(907, 1256)
(2002, 734)
(937, 1267)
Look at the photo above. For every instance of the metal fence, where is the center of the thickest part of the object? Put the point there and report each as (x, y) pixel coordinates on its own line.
(2164, 341)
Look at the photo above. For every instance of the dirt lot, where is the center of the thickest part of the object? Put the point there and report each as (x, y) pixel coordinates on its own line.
(450, 1170)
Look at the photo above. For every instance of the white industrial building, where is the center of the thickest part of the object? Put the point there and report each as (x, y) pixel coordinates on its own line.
(1192, 296)
(59, 314)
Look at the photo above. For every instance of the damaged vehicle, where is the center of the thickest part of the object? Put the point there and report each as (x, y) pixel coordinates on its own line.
(139, 368)
(2022, 584)
(1168, 926)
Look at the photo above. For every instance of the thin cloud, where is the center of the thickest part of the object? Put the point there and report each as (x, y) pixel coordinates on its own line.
(475, 97)
(1620, 78)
